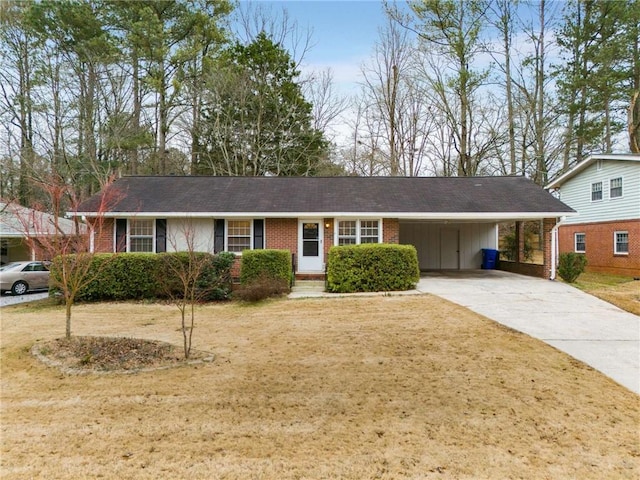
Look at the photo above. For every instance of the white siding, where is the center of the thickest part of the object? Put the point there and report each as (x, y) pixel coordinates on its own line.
(199, 229)
(576, 193)
(426, 237)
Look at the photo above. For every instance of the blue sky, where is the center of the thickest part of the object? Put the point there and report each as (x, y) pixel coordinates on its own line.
(343, 33)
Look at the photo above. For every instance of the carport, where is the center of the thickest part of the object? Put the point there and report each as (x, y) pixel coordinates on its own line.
(457, 243)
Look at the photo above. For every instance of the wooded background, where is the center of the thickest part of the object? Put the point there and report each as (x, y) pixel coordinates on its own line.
(90, 89)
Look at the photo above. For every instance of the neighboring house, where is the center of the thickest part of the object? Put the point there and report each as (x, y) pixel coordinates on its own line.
(18, 223)
(449, 220)
(605, 191)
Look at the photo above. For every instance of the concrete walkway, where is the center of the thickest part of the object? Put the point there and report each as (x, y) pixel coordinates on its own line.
(587, 328)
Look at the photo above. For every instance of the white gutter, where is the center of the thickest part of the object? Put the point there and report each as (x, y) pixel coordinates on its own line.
(439, 216)
(555, 248)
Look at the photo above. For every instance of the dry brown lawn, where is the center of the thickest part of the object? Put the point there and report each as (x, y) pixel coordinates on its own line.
(623, 292)
(384, 387)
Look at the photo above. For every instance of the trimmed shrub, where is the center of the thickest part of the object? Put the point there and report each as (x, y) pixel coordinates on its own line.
(214, 282)
(265, 264)
(571, 265)
(137, 276)
(118, 277)
(218, 277)
(372, 268)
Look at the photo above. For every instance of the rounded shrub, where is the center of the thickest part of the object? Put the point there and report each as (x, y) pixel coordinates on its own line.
(372, 268)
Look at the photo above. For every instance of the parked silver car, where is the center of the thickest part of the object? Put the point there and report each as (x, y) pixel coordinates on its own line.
(20, 277)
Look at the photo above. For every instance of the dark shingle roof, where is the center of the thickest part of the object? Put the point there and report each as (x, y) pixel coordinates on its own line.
(323, 195)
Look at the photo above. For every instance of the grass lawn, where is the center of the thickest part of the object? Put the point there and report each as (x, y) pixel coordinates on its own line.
(623, 292)
(353, 388)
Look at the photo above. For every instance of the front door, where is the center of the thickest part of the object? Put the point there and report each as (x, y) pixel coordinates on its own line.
(310, 248)
(449, 249)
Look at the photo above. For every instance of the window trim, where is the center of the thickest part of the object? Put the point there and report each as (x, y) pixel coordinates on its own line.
(615, 242)
(611, 197)
(601, 191)
(336, 230)
(575, 242)
(152, 236)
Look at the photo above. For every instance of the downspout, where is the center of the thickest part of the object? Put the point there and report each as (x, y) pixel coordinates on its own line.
(555, 248)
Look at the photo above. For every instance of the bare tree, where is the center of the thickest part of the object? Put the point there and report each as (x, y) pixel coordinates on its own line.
(452, 29)
(71, 252)
(186, 268)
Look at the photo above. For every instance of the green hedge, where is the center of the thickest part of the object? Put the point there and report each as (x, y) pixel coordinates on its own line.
(138, 276)
(268, 263)
(372, 268)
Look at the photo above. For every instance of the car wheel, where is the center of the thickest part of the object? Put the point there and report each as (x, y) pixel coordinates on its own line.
(19, 288)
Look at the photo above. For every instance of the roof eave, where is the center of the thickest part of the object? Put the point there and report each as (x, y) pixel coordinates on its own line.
(557, 183)
(399, 215)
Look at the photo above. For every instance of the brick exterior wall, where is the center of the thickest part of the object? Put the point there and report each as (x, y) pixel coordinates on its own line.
(281, 234)
(390, 230)
(103, 237)
(600, 249)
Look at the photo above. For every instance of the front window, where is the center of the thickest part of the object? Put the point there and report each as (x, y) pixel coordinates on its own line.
(615, 189)
(353, 232)
(368, 231)
(238, 235)
(621, 243)
(581, 245)
(141, 235)
(596, 191)
(347, 232)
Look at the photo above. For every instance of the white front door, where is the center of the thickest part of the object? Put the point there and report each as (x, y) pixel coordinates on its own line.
(310, 246)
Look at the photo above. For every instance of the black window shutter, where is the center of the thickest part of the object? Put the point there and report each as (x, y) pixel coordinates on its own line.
(121, 235)
(258, 234)
(218, 236)
(161, 235)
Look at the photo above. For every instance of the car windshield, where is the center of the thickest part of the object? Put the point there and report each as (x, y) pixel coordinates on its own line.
(10, 266)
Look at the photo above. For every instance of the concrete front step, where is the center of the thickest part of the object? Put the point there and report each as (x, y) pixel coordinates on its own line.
(307, 288)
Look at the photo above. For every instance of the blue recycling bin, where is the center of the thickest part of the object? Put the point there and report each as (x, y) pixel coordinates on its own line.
(489, 258)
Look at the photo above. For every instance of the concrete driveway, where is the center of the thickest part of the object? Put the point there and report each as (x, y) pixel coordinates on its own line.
(587, 328)
(8, 299)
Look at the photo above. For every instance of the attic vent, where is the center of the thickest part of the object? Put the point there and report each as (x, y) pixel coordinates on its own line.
(477, 185)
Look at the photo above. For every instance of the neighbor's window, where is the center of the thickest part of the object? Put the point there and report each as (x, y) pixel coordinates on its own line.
(596, 191)
(580, 243)
(615, 188)
(621, 243)
(238, 235)
(352, 232)
(141, 235)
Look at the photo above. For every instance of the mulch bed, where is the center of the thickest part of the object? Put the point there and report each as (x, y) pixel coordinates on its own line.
(111, 354)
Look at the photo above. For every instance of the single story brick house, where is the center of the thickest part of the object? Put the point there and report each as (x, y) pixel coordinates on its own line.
(448, 219)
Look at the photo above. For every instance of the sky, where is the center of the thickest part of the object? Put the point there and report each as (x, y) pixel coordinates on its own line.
(343, 34)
